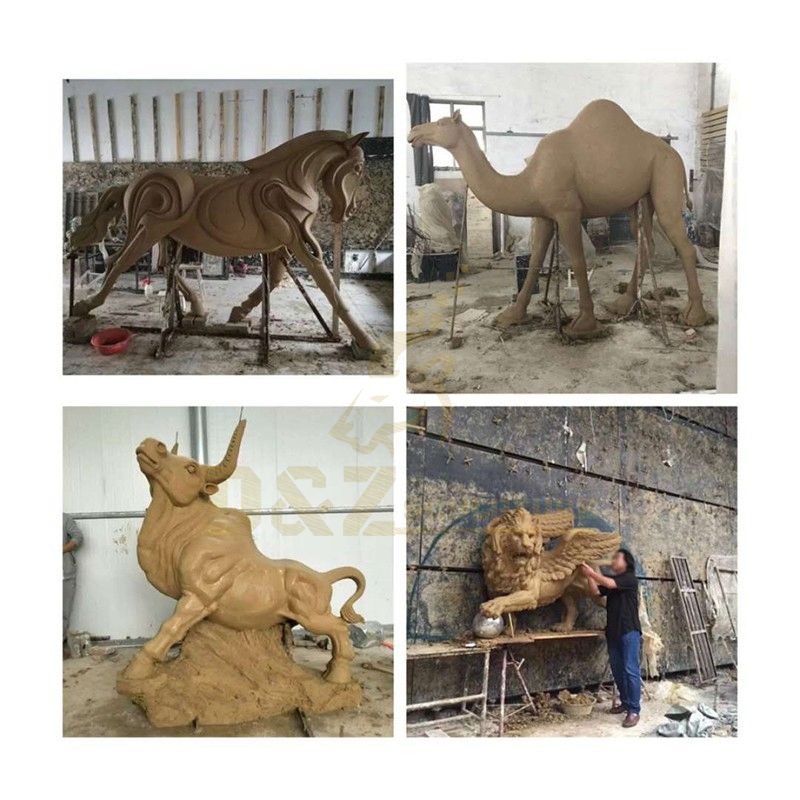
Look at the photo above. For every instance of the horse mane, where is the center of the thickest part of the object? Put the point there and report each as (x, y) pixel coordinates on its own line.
(293, 147)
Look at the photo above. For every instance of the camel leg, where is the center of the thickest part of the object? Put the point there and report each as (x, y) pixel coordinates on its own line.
(623, 305)
(515, 313)
(668, 198)
(584, 326)
(570, 614)
(121, 261)
(189, 611)
(319, 272)
(338, 669)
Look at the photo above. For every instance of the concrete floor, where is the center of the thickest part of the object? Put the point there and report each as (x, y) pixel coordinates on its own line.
(370, 300)
(92, 706)
(663, 695)
(531, 358)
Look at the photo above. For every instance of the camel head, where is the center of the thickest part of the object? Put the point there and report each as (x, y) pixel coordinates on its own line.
(514, 533)
(183, 479)
(343, 177)
(446, 132)
(94, 225)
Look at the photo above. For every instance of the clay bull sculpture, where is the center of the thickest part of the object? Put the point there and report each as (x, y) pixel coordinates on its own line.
(204, 556)
(601, 164)
(271, 207)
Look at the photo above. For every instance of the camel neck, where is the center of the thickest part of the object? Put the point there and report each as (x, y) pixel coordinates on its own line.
(506, 194)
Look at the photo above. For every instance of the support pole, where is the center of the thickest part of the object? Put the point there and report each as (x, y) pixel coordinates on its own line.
(503, 674)
(265, 342)
(71, 282)
(337, 273)
(485, 692)
(458, 264)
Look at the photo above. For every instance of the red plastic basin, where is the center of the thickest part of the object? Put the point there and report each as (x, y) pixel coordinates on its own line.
(111, 341)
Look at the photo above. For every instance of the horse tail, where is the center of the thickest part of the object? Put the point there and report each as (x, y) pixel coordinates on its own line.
(347, 612)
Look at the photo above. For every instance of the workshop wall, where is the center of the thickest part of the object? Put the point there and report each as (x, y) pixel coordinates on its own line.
(664, 478)
(302, 458)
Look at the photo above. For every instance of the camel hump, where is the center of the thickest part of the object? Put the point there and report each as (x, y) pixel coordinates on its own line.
(602, 112)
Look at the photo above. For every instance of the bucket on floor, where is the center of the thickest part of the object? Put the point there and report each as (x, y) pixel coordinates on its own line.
(111, 341)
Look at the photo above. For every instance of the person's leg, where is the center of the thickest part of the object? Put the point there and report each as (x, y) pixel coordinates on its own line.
(631, 642)
(617, 668)
(69, 597)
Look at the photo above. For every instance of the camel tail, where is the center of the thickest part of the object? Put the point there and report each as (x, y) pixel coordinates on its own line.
(686, 192)
(347, 612)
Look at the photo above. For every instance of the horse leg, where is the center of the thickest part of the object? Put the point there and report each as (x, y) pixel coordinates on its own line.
(189, 611)
(668, 196)
(515, 313)
(278, 264)
(319, 272)
(119, 263)
(336, 629)
(584, 325)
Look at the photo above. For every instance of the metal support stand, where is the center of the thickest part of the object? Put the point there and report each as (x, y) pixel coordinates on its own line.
(556, 309)
(72, 258)
(265, 342)
(458, 266)
(172, 314)
(337, 276)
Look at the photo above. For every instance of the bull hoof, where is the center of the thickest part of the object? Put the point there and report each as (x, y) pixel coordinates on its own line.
(142, 666)
(337, 672)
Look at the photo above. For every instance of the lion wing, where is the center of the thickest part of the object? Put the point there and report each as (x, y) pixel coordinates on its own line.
(575, 547)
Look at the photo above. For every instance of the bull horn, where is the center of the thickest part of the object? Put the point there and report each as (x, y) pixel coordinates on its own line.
(222, 471)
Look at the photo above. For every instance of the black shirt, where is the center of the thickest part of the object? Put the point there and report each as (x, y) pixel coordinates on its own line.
(622, 605)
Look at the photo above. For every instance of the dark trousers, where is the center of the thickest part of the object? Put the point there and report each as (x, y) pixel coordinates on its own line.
(623, 653)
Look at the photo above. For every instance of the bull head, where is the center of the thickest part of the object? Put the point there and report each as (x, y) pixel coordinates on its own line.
(183, 479)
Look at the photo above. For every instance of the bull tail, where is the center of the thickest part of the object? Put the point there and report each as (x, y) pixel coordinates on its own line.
(347, 612)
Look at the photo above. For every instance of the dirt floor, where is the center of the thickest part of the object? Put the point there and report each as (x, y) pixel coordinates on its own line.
(531, 358)
(371, 301)
(662, 696)
(92, 706)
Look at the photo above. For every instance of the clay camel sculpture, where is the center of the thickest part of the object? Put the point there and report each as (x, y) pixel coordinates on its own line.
(110, 208)
(204, 556)
(601, 164)
(522, 575)
(271, 207)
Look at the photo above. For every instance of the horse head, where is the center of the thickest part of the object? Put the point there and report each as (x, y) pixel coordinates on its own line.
(342, 178)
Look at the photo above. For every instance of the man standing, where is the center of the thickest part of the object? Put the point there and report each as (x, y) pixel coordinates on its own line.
(623, 631)
(73, 539)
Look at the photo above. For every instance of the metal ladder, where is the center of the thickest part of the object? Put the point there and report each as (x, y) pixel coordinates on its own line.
(695, 620)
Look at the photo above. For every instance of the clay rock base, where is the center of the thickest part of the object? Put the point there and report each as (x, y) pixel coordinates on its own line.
(223, 677)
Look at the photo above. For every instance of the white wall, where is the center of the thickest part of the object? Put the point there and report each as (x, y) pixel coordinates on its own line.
(541, 98)
(334, 114)
(290, 457)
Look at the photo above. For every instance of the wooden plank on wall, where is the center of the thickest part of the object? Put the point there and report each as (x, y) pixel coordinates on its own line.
(178, 127)
(350, 102)
(318, 109)
(291, 113)
(221, 126)
(236, 124)
(381, 110)
(135, 126)
(156, 132)
(93, 123)
(200, 129)
(264, 119)
(112, 130)
(73, 129)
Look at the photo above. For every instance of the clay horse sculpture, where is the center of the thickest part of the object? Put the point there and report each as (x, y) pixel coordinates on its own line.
(271, 207)
(601, 164)
(95, 226)
(522, 575)
(233, 605)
